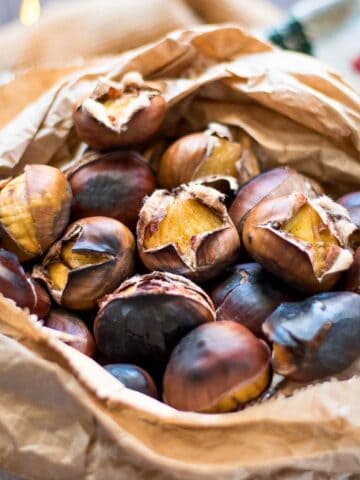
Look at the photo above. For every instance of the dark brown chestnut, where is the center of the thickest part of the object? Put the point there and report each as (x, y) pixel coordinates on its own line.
(304, 242)
(352, 276)
(187, 231)
(248, 294)
(146, 316)
(120, 114)
(218, 367)
(91, 259)
(351, 202)
(271, 184)
(315, 338)
(111, 185)
(43, 303)
(64, 321)
(133, 377)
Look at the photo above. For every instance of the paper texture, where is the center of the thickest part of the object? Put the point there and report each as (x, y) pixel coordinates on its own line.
(61, 415)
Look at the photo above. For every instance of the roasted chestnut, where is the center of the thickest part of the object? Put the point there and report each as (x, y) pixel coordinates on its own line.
(271, 184)
(133, 377)
(317, 337)
(211, 152)
(112, 184)
(63, 321)
(147, 315)
(34, 210)
(120, 114)
(218, 367)
(352, 204)
(91, 259)
(187, 231)
(17, 286)
(352, 276)
(248, 294)
(302, 241)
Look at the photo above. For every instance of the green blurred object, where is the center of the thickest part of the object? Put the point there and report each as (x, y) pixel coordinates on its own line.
(291, 36)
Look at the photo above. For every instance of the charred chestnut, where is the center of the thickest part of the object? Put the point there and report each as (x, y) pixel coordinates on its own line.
(248, 294)
(34, 210)
(218, 367)
(352, 204)
(187, 231)
(133, 377)
(272, 184)
(91, 259)
(304, 242)
(120, 114)
(63, 321)
(352, 276)
(147, 315)
(113, 185)
(317, 337)
(211, 152)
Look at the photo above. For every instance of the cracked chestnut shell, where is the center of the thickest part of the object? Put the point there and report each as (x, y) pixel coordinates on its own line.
(304, 242)
(271, 184)
(351, 202)
(112, 185)
(207, 153)
(218, 367)
(133, 377)
(120, 114)
(352, 276)
(187, 231)
(34, 210)
(248, 294)
(143, 320)
(315, 338)
(67, 322)
(91, 259)
(20, 288)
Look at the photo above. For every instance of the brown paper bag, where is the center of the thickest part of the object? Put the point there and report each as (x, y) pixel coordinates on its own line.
(61, 415)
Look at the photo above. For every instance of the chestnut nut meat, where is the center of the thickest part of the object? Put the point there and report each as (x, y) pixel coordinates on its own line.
(143, 320)
(134, 378)
(91, 259)
(34, 210)
(120, 114)
(315, 338)
(187, 231)
(112, 185)
(218, 367)
(304, 242)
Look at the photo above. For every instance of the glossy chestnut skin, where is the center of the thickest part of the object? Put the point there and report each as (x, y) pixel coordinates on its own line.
(64, 321)
(111, 130)
(133, 377)
(217, 367)
(351, 202)
(317, 337)
(290, 258)
(112, 185)
(352, 276)
(271, 184)
(91, 259)
(34, 210)
(43, 302)
(248, 294)
(146, 316)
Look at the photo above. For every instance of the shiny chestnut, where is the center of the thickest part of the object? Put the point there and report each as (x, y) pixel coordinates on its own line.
(134, 378)
(352, 276)
(91, 259)
(351, 202)
(218, 367)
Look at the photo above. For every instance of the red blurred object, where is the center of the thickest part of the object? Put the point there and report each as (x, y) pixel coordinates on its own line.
(356, 64)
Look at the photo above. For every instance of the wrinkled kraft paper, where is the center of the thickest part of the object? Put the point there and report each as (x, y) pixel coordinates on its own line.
(61, 415)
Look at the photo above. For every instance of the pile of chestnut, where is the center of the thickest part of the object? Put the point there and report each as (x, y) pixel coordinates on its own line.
(188, 274)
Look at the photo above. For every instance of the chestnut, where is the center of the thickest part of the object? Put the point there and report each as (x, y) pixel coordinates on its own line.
(34, 210)
(315, 338)
(248, 294)
(271, 184)
(187, 231)
(133, 377)
(218, 367)
(112, 184)
(64, 321)
(198, 155)
(351, 202)
(304, 242)
(91, 259)
(352, 276)
(120, 114)
(143, 320)
(43, 303)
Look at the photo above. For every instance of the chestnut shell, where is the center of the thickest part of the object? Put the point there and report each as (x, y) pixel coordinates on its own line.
(351, 202)
(134, 378)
